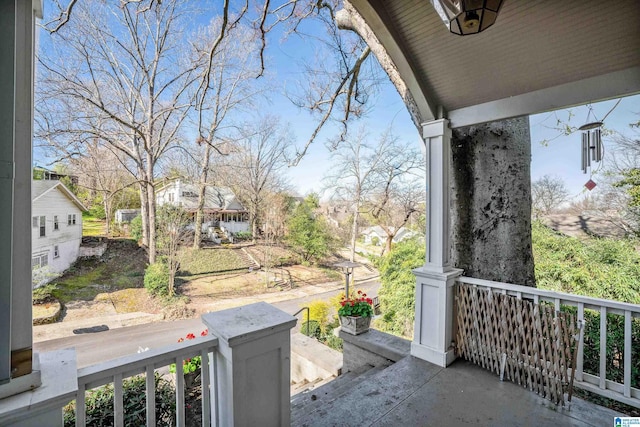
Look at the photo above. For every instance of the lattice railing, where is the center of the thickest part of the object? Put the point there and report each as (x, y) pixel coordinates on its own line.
(529, 344)
(608, 355)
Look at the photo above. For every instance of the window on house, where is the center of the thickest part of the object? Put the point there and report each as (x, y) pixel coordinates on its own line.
(55, 223)
(71, 219)
(56, 252)
(171, 197)
(43, 226)
(40, 261)
(34, 222)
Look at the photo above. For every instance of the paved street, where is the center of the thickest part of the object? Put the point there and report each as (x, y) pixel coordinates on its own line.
(96, 347)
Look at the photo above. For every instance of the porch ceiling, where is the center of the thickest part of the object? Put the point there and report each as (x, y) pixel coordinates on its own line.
(537, 56)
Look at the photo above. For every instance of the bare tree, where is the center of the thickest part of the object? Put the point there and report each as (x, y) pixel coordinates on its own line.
(172, 221)
(254, 167)
(116, 73)
(228, 69)
(547, 195)
(101, 172)
(362, 171)
(400, 195)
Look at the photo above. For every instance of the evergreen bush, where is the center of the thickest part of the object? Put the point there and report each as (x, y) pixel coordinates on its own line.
(156, 279)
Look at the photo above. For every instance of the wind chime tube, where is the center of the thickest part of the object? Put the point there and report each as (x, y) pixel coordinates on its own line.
(588, 149)
(598, 137)
(584, 153)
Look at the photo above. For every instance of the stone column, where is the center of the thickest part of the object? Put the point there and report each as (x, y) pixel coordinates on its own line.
(433, 332)
(252, 373)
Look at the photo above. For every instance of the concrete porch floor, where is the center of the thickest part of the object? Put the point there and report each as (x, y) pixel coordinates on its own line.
(416, 393)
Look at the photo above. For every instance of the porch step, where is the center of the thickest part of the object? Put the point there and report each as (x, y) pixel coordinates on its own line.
(373, 393)
(304, 398)
(304, 404)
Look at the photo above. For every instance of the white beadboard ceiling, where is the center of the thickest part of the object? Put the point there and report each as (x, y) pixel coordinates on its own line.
(533, 46)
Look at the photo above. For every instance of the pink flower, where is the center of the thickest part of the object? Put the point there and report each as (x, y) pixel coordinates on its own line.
(180, 339)
(204, 333)
(190, 336)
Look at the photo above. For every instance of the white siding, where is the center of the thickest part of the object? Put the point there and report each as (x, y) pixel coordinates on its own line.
(67, 237)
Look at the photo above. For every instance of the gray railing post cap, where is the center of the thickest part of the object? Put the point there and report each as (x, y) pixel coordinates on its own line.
(247, 323)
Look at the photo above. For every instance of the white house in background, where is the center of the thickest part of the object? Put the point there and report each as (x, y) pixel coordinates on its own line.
(221, 207)
(56, 229)
(376, 236)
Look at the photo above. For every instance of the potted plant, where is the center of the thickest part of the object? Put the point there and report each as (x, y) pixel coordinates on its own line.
(355, 313)
(190, 367)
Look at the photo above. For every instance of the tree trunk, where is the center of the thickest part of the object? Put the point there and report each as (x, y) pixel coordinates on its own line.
(491, 217)
(107, 202)
(151, 203)
(144, 213)
(204, 174)
(354, 232)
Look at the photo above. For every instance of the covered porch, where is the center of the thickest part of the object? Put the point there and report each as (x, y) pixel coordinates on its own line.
(545, 62)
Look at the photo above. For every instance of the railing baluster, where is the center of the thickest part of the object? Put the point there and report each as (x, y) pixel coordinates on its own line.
(580, 360)
(81, 413)
(627, 353)
(151, 396)
(179, 392)
(556, 304)
(205, 381)
(118, 401)
(213, 368)
(603, 347)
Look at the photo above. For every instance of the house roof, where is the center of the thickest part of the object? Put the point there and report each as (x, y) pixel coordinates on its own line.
(216, 198)
(538, 56)
(41, 187)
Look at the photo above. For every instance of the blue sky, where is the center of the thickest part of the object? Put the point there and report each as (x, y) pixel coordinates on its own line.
(560, 157)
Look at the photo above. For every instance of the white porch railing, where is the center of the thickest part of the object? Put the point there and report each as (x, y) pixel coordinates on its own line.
(234, 227)
(595, 382)
(114, 371)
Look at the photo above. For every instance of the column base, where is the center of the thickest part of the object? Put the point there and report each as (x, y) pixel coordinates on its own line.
(431, 355)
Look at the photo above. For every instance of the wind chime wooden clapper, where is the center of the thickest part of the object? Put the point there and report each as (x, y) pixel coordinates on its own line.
(592, 148)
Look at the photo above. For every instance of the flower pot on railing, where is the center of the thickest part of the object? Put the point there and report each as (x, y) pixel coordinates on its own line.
(355, 313)
(355, 325)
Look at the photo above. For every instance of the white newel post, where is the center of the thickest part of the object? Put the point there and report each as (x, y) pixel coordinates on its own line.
(252, 373)
(433, 332)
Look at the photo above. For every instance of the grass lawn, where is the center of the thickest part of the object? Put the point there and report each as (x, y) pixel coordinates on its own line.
(197, 262)
(121, 267)
(92, 226)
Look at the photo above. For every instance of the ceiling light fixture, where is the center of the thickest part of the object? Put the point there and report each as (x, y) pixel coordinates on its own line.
(464, 17)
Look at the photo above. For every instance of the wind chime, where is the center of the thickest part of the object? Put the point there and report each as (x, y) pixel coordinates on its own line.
(592, 148)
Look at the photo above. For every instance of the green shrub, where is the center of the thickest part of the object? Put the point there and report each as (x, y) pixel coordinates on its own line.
(97, 211)
(99, 404)
(615, 347)
(397, 290)
(598, 267)
(243, 235)
(135, 228)
(333, 342)
(318, 312)
(311, 329)
(156, 279)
